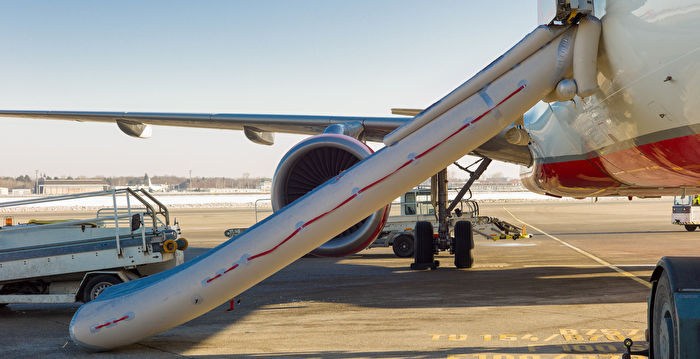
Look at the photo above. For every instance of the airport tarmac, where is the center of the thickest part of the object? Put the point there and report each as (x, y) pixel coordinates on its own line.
(555, 295)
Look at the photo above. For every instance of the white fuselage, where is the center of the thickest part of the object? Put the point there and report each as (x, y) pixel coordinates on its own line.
(638, 134)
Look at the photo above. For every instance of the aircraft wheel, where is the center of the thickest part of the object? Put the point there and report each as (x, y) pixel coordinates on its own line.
(97, 284)
(464, 242)
(403, 246)
(665, 328)
(423, 252)
(690, 227)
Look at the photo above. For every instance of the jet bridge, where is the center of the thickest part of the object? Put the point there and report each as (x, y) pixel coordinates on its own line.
(461, 121)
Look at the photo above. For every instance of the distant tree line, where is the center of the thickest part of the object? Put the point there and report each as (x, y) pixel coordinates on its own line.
(175, 182)
(18, 182)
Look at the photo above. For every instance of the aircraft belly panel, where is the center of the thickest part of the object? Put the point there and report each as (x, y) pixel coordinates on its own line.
(641, 129)
(578, 178)
(670, 163)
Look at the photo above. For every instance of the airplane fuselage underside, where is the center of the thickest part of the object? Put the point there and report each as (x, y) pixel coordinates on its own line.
(640, 133)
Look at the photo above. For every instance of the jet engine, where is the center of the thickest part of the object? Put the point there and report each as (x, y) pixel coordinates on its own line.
(311, 163)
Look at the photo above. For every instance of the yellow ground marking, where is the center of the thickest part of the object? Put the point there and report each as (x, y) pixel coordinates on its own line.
(588, 275)
(589, 255)
(553, 336)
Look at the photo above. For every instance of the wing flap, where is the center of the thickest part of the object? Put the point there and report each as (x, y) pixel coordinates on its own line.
(406, 111)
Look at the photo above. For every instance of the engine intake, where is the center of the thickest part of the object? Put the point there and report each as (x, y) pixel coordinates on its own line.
(309, 164)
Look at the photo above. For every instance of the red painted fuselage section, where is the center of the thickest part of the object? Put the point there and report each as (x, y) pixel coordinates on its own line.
(639, 134)
(652, 169)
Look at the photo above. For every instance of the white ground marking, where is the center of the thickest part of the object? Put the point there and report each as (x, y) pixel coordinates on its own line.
(589, 255)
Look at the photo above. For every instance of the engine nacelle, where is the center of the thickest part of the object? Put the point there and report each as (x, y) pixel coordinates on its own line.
(309, 164)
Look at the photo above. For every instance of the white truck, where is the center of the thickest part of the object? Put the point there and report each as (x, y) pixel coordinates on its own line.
(417, 206)
(686, 212)
(64, 261)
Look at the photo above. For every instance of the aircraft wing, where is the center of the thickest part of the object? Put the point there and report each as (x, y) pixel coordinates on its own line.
(261, 128)
(375, 128)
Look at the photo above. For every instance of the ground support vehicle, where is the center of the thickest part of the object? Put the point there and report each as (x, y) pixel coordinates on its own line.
(416, 206)
(673, 306)
(686, 212)
(59, 261)
(674, 309)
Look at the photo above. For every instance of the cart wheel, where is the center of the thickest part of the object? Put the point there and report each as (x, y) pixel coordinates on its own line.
(464, 242)
(169, 246)
(182, 244)
(665, 327)
(97, 284)
(403, 246)
(690, 227)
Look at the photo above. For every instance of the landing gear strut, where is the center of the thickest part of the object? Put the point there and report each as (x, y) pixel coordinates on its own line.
(463, 242)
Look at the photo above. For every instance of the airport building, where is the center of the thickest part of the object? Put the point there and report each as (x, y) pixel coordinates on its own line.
(69, 186)
(21, 192)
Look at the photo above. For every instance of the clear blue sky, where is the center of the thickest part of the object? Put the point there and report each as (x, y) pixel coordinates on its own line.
(288, 57)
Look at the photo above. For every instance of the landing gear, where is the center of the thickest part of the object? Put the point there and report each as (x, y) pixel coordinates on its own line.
(403, 246)
(690, 227)
(463, 244)
(424, 252)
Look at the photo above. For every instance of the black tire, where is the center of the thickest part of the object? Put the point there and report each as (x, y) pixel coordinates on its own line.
(423, 243)
(182, 244)
(665, 329)
(97, 284)
(464, 243)
(403, 246)
(690, 227)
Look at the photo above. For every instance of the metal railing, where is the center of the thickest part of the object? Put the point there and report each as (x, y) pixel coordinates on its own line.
(426, 208)
(117, 215)
(421, 208)
(266, 209)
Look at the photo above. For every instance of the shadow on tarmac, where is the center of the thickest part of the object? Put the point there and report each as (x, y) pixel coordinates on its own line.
(585, 350)
(522, 352)
(609, 233)
(381, 285)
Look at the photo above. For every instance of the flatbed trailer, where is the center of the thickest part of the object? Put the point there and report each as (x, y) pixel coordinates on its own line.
(63, 261)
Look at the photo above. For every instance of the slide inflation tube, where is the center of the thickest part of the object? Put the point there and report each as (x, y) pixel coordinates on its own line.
(586, 55)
